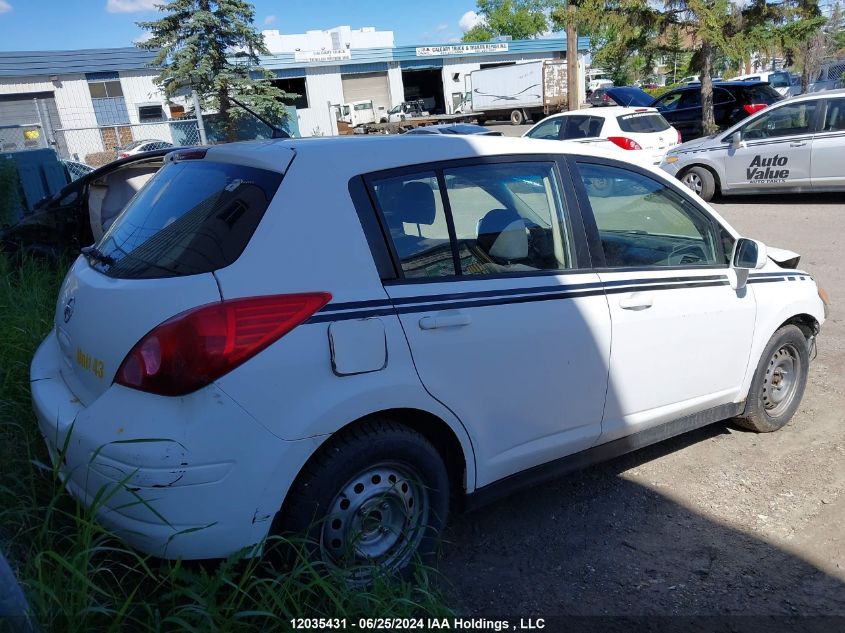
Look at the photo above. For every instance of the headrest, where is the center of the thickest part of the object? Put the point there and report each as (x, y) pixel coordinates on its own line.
(503, 235)
(415, 204)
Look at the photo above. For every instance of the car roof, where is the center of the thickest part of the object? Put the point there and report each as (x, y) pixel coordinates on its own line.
(810, 96)
(349, 156)
(606, 112)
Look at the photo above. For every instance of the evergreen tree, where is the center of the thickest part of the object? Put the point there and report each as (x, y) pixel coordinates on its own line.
(213, 47)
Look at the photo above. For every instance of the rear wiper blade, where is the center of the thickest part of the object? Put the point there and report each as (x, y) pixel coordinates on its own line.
(96, 254)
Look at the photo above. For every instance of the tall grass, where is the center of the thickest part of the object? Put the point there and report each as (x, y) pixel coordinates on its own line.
(79, 577)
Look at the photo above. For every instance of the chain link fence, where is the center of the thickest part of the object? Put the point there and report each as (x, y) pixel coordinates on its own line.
(98, 145)
(14, 138)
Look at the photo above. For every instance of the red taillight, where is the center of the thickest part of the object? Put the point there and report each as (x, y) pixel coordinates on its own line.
(751, 108)
(198, 346)
(605, 97)
(624, 142)
(123, 155)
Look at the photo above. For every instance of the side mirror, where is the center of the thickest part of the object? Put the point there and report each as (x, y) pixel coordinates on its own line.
(736, 139)
(747, 255)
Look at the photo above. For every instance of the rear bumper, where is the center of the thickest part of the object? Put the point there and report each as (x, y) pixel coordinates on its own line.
(190, 477)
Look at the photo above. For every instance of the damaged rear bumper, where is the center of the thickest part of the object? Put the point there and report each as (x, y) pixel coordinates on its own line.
(189, 477)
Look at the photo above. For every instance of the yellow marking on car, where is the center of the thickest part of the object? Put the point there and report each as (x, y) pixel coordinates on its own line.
(86, 361)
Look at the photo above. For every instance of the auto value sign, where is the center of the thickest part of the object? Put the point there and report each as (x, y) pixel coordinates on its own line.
(461, 49)
(323, 56)
(765, 170)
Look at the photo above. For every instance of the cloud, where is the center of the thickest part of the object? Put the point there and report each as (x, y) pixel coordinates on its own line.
(143, 37)
(5, 7)
(270, 19)
(469, 20)
(442, 27)
(131, 6)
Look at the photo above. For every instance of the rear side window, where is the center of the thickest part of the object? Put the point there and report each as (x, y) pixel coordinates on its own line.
(194, 216)
(642, 122)
(582, 127)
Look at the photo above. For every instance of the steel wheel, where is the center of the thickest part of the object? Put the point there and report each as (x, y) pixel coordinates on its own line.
(377, 519)
(781, 382)
(693, 181)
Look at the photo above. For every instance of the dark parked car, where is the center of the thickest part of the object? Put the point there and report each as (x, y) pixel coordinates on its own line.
(732, 102)
(79, 213)
(626, 96)
(454, 128)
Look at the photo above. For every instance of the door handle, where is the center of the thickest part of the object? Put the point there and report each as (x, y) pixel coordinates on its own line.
(445, 319)
(801, 144)
(636, 301)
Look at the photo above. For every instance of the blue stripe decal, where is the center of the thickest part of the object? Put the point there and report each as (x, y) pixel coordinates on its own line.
(425, 303)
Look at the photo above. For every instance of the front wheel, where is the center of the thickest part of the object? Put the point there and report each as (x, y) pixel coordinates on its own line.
(371, 502)
(701, 181)
(778, 385)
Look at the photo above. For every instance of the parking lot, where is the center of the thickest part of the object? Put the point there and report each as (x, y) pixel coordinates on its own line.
(719, 521)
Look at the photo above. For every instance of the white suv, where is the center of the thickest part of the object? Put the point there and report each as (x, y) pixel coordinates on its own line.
(345, 336)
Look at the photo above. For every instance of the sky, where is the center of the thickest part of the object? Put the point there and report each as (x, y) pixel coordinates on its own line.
(69, 24)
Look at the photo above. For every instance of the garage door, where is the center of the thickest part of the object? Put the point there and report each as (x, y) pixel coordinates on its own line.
(32, 110)
(363, 86)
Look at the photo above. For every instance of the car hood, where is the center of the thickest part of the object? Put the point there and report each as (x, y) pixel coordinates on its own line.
(704, 142)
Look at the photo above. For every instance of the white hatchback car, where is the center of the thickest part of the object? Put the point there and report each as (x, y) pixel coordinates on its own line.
(643, 130)
(348, 335)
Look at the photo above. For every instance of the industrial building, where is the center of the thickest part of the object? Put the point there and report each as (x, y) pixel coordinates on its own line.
(86, 102)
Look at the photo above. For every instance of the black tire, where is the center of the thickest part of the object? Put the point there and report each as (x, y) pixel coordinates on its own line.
(517, 117)
(412, 479)
(701, 181)
(775, 394)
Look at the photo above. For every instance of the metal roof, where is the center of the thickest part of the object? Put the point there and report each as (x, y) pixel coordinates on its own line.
(98, 60)
(34, 63)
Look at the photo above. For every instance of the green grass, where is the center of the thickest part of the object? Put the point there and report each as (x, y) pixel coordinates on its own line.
(78, 577)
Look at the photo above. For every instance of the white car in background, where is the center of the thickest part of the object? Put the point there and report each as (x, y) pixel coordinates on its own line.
(139, 147)
(642, 131)
(780, 80)
(794, 145)
(248, 350)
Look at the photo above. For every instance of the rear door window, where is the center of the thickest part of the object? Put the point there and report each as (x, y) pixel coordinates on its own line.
(192, 217)
(642, 122)
(484, 220)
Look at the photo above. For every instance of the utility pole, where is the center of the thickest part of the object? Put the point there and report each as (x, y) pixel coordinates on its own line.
(572, 91)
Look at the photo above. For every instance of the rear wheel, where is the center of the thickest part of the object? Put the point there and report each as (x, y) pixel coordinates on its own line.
(779, 383)
(372, 501)
(517, 117)
(701, 181)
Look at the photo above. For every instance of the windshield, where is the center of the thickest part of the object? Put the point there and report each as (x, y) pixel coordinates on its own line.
(779, 80)
(193, 216)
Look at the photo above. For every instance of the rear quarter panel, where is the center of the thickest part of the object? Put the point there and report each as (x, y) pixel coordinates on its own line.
(311, 239)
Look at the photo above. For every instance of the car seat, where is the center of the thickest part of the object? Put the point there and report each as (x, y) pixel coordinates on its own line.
(503, 236)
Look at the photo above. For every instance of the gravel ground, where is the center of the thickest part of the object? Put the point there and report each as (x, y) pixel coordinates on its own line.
(719, 521)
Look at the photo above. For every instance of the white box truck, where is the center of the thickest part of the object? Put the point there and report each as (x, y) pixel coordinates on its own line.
(518, 91)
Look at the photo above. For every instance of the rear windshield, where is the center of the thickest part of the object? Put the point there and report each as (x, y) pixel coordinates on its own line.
(193, 216)
(642, 122)
(779, 80)
(763, 93)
